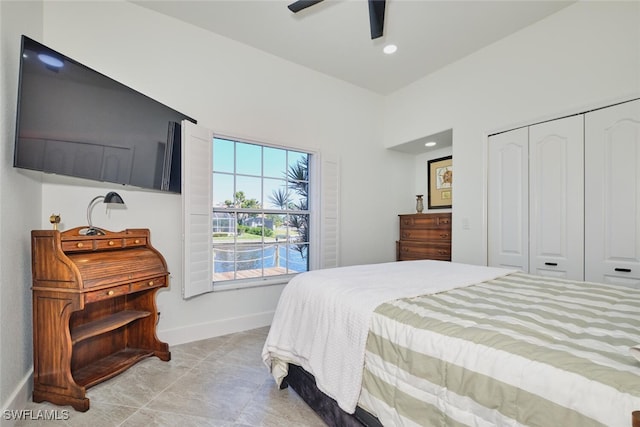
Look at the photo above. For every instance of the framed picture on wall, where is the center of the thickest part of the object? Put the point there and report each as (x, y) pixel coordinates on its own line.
(440, 182)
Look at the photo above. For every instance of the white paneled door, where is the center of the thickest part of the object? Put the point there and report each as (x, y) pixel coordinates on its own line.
(556, 198)
(612, 194)
(508, 203)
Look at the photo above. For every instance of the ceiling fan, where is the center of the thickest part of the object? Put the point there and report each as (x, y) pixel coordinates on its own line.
(376, 13)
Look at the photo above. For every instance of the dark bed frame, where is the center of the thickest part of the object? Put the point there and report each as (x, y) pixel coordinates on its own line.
(304, 384)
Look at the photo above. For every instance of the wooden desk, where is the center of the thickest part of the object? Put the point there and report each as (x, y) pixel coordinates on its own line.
(94, 310)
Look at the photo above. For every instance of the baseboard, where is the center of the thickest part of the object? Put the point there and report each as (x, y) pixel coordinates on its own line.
(17, 400)
(216, 328)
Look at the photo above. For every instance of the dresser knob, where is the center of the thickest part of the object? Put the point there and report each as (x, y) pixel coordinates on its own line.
(80, 244)
(111, 243)
(110, 293)
(150, 283)
(136, 241)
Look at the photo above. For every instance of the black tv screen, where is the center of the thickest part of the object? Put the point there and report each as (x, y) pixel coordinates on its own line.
(72, 120)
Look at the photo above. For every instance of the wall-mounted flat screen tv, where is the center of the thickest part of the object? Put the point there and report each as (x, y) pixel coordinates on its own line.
(75, 121)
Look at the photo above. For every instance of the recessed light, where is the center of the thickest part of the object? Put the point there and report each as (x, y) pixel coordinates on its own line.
(430, 144)
(390, 48)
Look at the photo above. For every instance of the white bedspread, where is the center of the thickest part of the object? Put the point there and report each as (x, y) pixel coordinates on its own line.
(322, 319)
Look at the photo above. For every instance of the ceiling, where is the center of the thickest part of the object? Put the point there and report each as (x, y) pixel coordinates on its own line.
(333, 37)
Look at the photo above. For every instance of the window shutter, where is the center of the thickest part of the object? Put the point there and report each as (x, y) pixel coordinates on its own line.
(197, 149)
(329, 207)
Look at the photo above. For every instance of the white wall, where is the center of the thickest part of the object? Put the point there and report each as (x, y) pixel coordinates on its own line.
(229, 87)
(585, 55)
(20, 207)
(238, 91)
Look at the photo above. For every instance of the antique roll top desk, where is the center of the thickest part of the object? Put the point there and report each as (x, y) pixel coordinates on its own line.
(94, 310)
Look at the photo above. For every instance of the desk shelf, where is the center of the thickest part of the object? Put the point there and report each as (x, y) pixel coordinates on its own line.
(110, 323)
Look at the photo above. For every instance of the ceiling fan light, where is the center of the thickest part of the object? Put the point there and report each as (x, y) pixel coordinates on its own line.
(390, 48)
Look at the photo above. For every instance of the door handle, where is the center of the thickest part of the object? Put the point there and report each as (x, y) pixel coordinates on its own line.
(623, 270)
(551, 263)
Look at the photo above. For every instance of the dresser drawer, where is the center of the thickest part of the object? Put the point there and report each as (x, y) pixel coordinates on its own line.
(106, 293)
(426, 221)
(150, 283)
(417, 250)
(425, 235)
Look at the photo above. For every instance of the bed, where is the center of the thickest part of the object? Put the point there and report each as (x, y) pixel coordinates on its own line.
(431, 343)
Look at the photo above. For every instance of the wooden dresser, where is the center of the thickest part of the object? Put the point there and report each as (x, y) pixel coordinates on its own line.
(424, 236)
(94, 310)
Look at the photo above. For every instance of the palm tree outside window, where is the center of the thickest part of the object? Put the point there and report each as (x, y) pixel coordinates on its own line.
(261, 195)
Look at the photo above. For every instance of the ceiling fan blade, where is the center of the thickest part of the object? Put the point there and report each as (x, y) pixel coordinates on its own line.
(297, 6)
(376, 18)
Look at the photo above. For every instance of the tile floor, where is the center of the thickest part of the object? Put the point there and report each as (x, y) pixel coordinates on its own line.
(219, 382)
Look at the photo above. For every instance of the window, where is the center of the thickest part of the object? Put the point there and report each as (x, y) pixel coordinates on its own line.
(261, 213)
(200, 213)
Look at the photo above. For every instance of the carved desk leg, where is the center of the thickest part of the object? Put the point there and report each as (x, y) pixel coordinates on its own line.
(52, 379)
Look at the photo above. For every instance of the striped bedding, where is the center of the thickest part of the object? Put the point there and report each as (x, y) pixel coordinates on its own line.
(517, 350)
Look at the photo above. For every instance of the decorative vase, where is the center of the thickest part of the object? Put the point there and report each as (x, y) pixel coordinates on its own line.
(419, 203)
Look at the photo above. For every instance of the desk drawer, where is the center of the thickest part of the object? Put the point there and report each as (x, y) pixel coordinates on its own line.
(106, 293)
(77, 245)
(147, 284)
(108, 244)
(135, 241)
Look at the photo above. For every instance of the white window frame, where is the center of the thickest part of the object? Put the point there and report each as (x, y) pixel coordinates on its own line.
(324, 217)
(313, 201)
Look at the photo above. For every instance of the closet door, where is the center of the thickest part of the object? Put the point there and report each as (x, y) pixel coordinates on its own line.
(612, 138)
(556, 198)
(508, 200)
